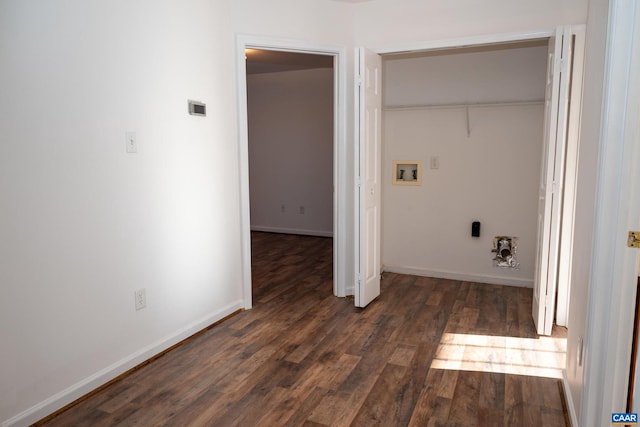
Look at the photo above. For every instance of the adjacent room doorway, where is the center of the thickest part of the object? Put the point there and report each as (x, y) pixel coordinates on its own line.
(338, 180)
(290, 147)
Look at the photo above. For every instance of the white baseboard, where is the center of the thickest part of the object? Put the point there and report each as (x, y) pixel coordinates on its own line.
(567, 398)
(300, 231)
(87, 385)
(440, 274)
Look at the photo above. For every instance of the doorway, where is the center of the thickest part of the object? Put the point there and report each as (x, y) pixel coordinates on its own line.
(290, 149)
(473, 118)
(340, 179)
(566, 134)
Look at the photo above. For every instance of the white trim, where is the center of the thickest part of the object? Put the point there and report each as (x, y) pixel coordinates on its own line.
(568, 400)
(350, 290)
(342, 193)
(92, 382)
(463, 105)
(465, 41)
(244, 41)
(243, 171)
(613, 266)
(356, 174)
(452, 275)
(571, 174)
(285, 230)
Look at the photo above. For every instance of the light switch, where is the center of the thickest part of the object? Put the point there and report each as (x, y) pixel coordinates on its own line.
(435, 162)
(132, 143)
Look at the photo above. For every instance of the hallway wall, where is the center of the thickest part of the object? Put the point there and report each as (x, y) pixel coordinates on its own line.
(291, 151)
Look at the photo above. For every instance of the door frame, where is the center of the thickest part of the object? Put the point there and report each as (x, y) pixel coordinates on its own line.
(613, 272)
(244, 41)
(578, 31)
(470, 41)
(571, 174)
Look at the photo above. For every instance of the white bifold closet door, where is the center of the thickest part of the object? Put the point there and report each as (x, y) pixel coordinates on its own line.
(551, 180)
(369, 84)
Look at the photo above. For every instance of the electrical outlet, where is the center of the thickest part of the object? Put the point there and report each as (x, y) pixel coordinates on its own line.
(141, 298)
(301, 210)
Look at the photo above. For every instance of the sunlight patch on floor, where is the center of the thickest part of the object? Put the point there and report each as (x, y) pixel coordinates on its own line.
(539, 357)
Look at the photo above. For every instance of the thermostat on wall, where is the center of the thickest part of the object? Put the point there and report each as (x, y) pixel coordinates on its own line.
(197, 108)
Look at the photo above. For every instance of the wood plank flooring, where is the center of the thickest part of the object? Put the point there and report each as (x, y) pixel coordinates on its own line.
(302, 357)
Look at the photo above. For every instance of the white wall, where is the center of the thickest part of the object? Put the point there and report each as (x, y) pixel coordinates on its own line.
(319, 21)
(291, 151)
(83, 224)
(491, 175)
(499, 73)
(585, 193)
(390, 23)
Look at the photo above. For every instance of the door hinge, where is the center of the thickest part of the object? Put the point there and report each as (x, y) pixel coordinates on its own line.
(633, 241)
(580, 352)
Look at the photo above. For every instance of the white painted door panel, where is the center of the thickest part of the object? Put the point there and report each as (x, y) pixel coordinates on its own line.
(551, 180)
(369, 140)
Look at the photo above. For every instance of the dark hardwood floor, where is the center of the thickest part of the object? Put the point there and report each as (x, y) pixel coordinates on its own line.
(427, 352)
